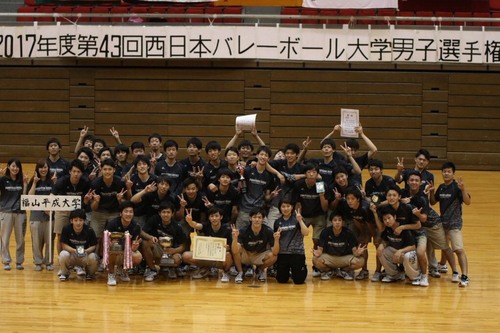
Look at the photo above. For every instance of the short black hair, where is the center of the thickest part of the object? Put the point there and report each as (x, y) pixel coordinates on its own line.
(166, 205)
(214, 210)
(121, 147)
(142, 158)
(375, 163)
(328, 142)
(53, 140)
(394, 188)
(213, 145)
(194, 141)
(108, 162)
(245, 143)
(137, 145)
(125, 204)
(257, 210)
(170, 143)
(87, 151)
(78, 213)
(424, 152)
(155, 135)
(77, 164)
(293, 147)
(448, 165)
(265, 149)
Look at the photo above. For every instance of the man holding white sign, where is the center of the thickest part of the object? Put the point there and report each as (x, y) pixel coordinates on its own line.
(213, 229)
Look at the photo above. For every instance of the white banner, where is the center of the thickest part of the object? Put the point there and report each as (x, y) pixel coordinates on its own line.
(358, 4)
(251, 42)
(51, 202)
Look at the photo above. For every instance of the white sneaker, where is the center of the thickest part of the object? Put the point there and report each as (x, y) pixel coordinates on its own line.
(377, 276)
(424, 281)
(171, 273)
(455, 278)
(79, 271)
(346, 275)
(325, 276)
(239, 278)
(151, 276)
(249, 272)
(201, 273)
(124, 276)
(233, 271)
(225, 277)
(442, 268)
(464, 281)
(262, 275)
(111, 280)
(416, 282)
(316, 272)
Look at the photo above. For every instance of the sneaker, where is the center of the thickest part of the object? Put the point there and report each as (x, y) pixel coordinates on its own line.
(59, 272)
(171, 273)
(363, 275)
(124, 276)
(434, 273)
(38, 268)
(79, 271)
(442, 268)
(225, 277)
(214, 272)
(239, 278)
(152, 274)
(6, 267)
(192, 268)
(249, 272)
(146, 271)
(416, 282)
(347, 275)
(464, 281)
(316, 272)
(376, 277)
(111, 280)
(201, 273)
(50, 268)
(233, 271)
(63, 277)
(424, 281)
(180, 272)
(325, 276)
(100, 268)
(90, 277)
(262, 275)
(271, 272)
(19, 267)
(388, 279)
(455, 277)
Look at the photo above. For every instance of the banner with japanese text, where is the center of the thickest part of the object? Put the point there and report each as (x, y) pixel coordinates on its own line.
(356, 4)
(251, 42)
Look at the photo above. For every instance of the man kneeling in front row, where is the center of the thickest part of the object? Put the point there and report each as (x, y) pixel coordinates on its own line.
(78, 242)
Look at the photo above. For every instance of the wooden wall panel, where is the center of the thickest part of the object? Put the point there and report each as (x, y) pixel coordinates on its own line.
(455, 115)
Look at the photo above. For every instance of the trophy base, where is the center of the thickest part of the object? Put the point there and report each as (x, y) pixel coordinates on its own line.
(167, 261)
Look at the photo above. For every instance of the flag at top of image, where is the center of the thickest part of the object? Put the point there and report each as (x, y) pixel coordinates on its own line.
(357, 4)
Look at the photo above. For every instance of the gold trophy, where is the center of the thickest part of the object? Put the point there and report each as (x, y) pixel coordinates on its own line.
(116, 242)
(166, 242)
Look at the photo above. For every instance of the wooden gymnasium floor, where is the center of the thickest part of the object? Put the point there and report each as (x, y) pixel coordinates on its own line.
(38, 301)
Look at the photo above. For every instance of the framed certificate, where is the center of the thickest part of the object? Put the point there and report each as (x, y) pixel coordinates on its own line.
(209, 248)
(349, 120)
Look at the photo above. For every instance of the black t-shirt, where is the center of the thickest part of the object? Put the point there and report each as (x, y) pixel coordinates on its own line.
(225, 201)
(139, 185)
(400, 241)
(64, 186)
(363, 214)
(108, 202)
(309, 199)
(291, 239)
(257, 183)
(152, 201)
(223, 232)
(376, 193)
(59, 167)
(86, 237)
(175, 174)
(115, 225)
(337, 245)
(156, 228)
(259, 243)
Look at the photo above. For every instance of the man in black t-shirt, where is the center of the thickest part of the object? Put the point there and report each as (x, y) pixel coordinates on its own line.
(78, 242)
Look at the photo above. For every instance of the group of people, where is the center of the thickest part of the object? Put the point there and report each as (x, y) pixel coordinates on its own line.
(262, 205)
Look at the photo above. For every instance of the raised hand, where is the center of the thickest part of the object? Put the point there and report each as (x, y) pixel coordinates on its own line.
(84, 131)
(234, 231)
(400, 166)
(276, 192)
(114, 133)
(150, 187)
(298, 215)
(207, 202)
(306, 143)
(182, 201)
(36, 179)
(54, 177)
(277, 234)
